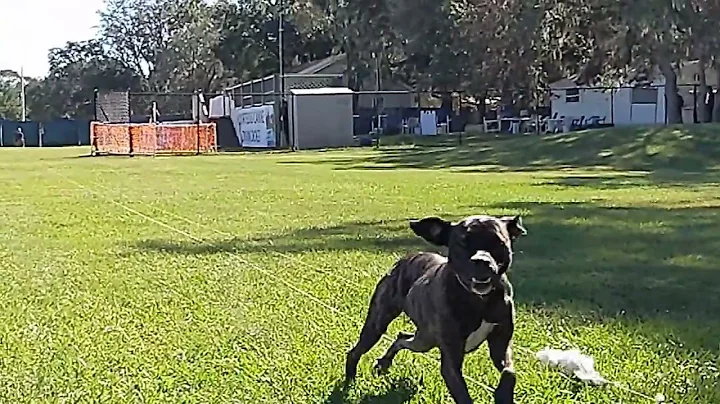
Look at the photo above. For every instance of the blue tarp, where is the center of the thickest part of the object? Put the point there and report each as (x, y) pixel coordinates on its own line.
(66, 132)
(30, 129)
(60, 132)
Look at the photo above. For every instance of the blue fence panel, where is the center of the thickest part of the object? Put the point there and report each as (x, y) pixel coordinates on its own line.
(61, 132)
(30, 129)
(362, 124)
(66, 132)
(83, 132)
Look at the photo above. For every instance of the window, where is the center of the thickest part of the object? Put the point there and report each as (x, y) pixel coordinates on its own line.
(645, 95)
(696, 77)
(572, 95)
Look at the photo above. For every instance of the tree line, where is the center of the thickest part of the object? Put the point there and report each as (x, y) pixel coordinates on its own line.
(501, 48)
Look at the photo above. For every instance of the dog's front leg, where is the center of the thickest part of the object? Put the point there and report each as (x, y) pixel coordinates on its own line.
(451, 361)
(500, 345)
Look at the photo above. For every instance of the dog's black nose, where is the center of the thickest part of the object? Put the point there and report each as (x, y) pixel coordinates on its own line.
(482, 257)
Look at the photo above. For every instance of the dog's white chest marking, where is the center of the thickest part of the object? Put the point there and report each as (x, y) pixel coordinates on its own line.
(478, 336)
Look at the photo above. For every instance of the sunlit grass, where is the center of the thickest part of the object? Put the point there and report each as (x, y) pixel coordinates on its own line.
(98, 303)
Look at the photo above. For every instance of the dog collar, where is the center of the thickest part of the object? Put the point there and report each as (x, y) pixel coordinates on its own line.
(463, 283)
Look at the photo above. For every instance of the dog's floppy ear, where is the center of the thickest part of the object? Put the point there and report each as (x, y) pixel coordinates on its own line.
(514, 226)
(432, 229)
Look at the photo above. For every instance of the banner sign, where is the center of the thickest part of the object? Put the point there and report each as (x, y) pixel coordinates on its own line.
(255, 126)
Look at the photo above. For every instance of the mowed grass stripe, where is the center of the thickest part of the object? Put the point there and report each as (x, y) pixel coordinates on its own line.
(81, 318)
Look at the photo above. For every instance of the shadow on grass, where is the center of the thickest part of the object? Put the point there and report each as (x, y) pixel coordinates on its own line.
(628, 180)
(389, 236)
(693, 149)
(635, 262)
(651, 271)
(78, 156)
(631, 263)
(399, 391)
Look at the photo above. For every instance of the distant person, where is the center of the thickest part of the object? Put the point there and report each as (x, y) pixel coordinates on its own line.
(19, 138)
(709, 103)
(680, 105)
(284, 123)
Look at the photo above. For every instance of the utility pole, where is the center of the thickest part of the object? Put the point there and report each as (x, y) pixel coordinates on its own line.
(281, 72)
(281, 13)
(22, 93)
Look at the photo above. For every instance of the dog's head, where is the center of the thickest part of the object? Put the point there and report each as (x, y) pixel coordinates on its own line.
(471, 240)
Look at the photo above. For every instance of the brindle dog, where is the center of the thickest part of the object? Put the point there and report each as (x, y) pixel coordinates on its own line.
(456, 302)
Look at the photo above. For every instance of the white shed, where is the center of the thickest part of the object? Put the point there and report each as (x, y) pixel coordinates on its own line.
(321, 117)
(626, 105)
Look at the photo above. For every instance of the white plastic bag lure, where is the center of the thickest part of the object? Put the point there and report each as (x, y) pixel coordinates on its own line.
(572, 362)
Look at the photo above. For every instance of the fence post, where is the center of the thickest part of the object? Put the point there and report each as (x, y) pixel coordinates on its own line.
(129, 131)
(94, 103)
(459, 114)
(197, 121)
(695, 117)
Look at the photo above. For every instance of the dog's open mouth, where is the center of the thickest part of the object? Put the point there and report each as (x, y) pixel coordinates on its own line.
(481, 287)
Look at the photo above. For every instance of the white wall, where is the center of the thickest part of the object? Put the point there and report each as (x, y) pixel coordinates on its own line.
(221, 106)
(661, 116)
(322, 118)
(615, 105)
(621, 106)
(592, 103)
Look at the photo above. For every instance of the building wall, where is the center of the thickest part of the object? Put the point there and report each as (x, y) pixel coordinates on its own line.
(322, 121)
(615, 105)
(590, 103)
(689, 73)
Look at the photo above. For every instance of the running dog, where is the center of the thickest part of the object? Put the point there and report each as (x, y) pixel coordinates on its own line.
(456, 302)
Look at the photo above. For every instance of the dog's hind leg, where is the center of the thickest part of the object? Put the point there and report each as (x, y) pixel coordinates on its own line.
(384, 308)
(415, 343)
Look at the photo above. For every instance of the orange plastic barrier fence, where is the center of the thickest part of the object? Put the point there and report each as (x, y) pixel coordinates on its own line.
(152, 138)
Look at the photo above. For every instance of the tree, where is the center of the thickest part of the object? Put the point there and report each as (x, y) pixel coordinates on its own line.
(135, 32)
(703, 16)
(247, 46)
(658, 37)
(10, 107)
(510, 48)
(188, 62)
(428, 44)
(75, 71)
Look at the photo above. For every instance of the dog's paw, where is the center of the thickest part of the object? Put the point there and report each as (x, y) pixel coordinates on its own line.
(350, 369)
(347, 382)
(505, 391)
(381, 366)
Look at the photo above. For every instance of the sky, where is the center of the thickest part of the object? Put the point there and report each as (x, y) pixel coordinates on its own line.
(29, 28)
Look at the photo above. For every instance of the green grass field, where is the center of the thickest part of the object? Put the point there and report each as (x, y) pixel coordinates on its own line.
(245, 278)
